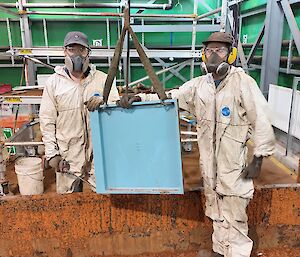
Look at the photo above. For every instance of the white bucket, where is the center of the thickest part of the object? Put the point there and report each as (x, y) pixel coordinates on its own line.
(30, 175)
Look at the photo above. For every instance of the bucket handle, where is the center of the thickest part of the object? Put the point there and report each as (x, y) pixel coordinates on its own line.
(34, 178)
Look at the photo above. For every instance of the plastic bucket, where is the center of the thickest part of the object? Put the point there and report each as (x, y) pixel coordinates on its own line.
(30, 175)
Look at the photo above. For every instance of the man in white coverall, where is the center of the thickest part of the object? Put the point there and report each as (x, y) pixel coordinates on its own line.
(70, 93)
(230, 109)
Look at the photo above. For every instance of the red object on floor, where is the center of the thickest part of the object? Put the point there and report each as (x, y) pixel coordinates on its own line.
(4, 88)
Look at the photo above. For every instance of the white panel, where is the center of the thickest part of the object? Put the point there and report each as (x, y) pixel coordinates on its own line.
(296, 117)
(42, 78)
(280, 106)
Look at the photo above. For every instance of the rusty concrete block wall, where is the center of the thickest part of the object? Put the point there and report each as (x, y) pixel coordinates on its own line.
(87, 224)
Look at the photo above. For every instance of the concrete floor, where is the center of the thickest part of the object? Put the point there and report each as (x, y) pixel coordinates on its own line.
(273, 172)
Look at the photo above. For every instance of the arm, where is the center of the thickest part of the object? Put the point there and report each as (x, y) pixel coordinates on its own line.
(258, 115)
(96, 99)
(184, 94)
(48, 116)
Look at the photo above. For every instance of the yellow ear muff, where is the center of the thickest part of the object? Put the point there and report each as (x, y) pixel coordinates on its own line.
(232, 56)
(203, 56)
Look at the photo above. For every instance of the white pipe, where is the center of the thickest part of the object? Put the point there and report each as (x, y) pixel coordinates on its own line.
(189, 140)
(23, 143)
(27, 87)
(167, 6)
(194, 38)
(191, 133)
(224, 11)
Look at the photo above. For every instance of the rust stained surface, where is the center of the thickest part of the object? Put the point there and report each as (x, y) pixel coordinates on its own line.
(87, 224)
(30, 92)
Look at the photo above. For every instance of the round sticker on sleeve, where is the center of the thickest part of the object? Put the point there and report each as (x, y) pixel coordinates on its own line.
(225, 111)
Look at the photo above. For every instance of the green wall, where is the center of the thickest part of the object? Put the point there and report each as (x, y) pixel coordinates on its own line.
(251, 27)
(58, 26)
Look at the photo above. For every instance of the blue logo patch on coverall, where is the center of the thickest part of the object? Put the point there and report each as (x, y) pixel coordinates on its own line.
(225, 111)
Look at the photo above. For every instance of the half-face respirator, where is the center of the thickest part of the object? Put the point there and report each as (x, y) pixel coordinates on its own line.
(77, 63)
(214, 62)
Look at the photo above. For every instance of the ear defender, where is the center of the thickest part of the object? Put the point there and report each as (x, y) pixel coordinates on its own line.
(203, 55)
(232, 56)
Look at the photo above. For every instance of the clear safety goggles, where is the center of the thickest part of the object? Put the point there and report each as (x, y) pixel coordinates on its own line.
(221, 51)
(72, 50)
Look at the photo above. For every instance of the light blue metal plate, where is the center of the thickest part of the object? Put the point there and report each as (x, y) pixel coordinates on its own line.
(137, 150)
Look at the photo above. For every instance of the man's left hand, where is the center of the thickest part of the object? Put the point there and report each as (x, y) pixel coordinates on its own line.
(94, 103)
(127, 100)
(254, 168)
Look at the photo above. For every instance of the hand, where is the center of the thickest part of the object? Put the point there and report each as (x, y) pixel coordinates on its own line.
(254, 168)
(64, 166)
(59, 164)
(126, 101)
(54, 162)
(41, 149)
(94, 102)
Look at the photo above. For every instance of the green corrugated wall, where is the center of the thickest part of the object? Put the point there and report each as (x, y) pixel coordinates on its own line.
(97, 29)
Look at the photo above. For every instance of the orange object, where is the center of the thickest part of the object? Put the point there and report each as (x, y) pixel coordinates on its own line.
(8, 122)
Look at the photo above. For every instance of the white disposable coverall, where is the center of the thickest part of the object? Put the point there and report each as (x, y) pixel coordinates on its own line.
(65, 122)
(227, 116)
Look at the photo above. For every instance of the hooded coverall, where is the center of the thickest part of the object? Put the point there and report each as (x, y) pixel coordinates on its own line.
(65, 123)
(227, 116)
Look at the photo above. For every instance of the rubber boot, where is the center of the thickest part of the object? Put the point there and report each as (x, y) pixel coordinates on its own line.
(216, 255)
(77, 186)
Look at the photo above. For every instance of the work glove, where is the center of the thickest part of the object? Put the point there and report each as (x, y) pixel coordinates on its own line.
(59, 164)
(54, 162)
(94, 102)
(64, 166)
(254, 168)
(127, 100)
(41, 149)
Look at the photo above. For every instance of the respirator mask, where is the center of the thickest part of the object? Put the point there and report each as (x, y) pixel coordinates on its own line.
(77, 63)
(77, 60)
(213, 61)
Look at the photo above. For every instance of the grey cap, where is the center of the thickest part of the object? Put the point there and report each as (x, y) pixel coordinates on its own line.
(76, 37)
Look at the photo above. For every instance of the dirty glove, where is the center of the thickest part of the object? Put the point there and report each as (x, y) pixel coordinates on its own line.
(63, 166)
(254, 168)
(41, 149)
(54, 162)
(59, 164)
(127, 100)
(94, 102)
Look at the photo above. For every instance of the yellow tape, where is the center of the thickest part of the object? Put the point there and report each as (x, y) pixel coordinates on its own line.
(13, 99)
(25, 51)
(283, 167)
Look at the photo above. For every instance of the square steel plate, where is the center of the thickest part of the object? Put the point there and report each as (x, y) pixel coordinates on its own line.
(137, 150)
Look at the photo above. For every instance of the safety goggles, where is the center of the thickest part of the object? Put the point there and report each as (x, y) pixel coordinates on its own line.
(72, 50)
(221, 51)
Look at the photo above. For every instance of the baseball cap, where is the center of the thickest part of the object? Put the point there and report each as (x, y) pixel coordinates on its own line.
(76, 37)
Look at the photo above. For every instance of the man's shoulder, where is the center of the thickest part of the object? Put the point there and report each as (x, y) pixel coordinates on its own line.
(238, 71)
(98, 75)
(197, 81)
